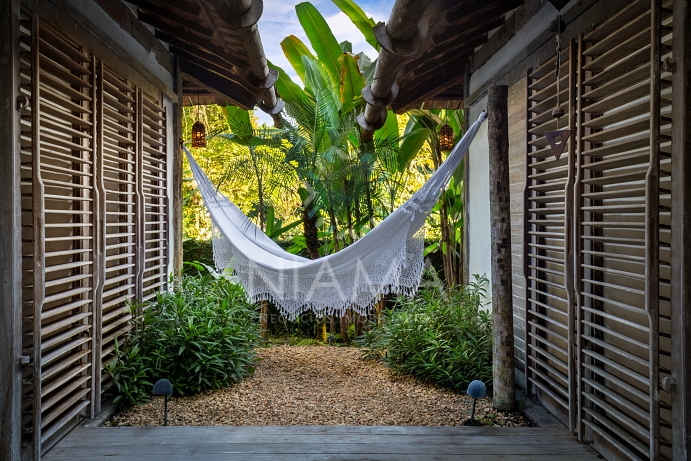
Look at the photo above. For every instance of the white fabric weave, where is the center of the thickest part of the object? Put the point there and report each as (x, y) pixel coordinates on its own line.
(388, 259)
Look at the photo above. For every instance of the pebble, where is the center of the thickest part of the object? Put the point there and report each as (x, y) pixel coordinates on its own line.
(319, 385)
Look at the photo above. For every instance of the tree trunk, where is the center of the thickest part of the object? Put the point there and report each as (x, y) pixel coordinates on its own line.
(368, 197)
(334, 229)
(500, 218)
(349, 212)
(264, 319)
(309, 224)
(262, 219)
(358, 215)
(447, 246)
(344, 326)
(334, 223)
(358, 324)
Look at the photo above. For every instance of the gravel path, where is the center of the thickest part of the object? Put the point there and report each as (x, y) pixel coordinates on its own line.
(315, 385)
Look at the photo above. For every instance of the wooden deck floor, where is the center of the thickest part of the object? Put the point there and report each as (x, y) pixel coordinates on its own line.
(312, 443)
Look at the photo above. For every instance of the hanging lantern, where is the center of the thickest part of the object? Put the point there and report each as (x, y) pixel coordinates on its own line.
(446, 139)
(198, 135)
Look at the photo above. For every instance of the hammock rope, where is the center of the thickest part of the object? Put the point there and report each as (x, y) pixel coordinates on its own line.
(388, 259)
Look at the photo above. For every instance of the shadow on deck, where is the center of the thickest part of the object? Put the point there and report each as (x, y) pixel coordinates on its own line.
(312, 443)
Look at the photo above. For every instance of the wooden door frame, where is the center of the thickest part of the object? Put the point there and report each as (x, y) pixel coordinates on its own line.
(10, 249)
(681, 229)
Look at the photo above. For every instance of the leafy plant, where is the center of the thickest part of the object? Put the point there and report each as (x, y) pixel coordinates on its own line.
(439, 336)
(199, 336)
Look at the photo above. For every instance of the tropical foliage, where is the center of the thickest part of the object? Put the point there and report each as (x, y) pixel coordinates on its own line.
(315, 182)
(439, 336)
(200, 335)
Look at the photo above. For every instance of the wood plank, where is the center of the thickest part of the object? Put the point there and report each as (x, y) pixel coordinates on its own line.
(623, 49)
(320, 442)
(228, 437)
(332, 457)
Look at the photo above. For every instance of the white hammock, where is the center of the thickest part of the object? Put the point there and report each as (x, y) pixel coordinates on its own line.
(388, 259)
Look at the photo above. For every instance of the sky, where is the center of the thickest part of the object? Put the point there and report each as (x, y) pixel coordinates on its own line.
(279, 21)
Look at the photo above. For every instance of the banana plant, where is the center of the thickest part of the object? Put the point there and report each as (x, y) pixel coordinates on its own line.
(450, 206)
(262, 163)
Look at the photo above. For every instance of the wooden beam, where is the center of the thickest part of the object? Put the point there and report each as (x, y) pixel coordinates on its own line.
(10, 250)
(140, 201)
(211, 62)
(400, 28)
(217, 35)
(242, 89)
(500, 216)
(479, 14)
(180, 25)
(243, 15)
(478, 7)
(514, 23)
(438, 64)
(205, 49)
(226, 87)
(681, 229)
(181, 5)
(424, 90)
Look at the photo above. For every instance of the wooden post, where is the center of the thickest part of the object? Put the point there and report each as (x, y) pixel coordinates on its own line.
(177, 173)
(681, 229)
(466, 181)
(500, 215)
(10, 249)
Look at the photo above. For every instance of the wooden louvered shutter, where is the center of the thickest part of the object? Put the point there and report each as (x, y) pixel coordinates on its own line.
(95, 224)
(58, 79)
(154, 197)
(623, 195)
(550, 370)
(117, 174)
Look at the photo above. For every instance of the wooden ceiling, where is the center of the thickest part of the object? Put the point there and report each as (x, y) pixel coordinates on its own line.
(211, 54)
(215, 67)
(456, 29)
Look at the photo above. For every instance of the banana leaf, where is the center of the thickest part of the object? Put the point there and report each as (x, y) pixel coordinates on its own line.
(351, 82)
(278, 232)
(360, 19)
(287, 89)
(322, 40)
(389, 131)
(294, 50)
(416, 134)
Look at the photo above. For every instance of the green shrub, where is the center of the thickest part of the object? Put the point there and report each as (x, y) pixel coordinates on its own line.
(439, 336)
(199, 251)
(200, 335)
